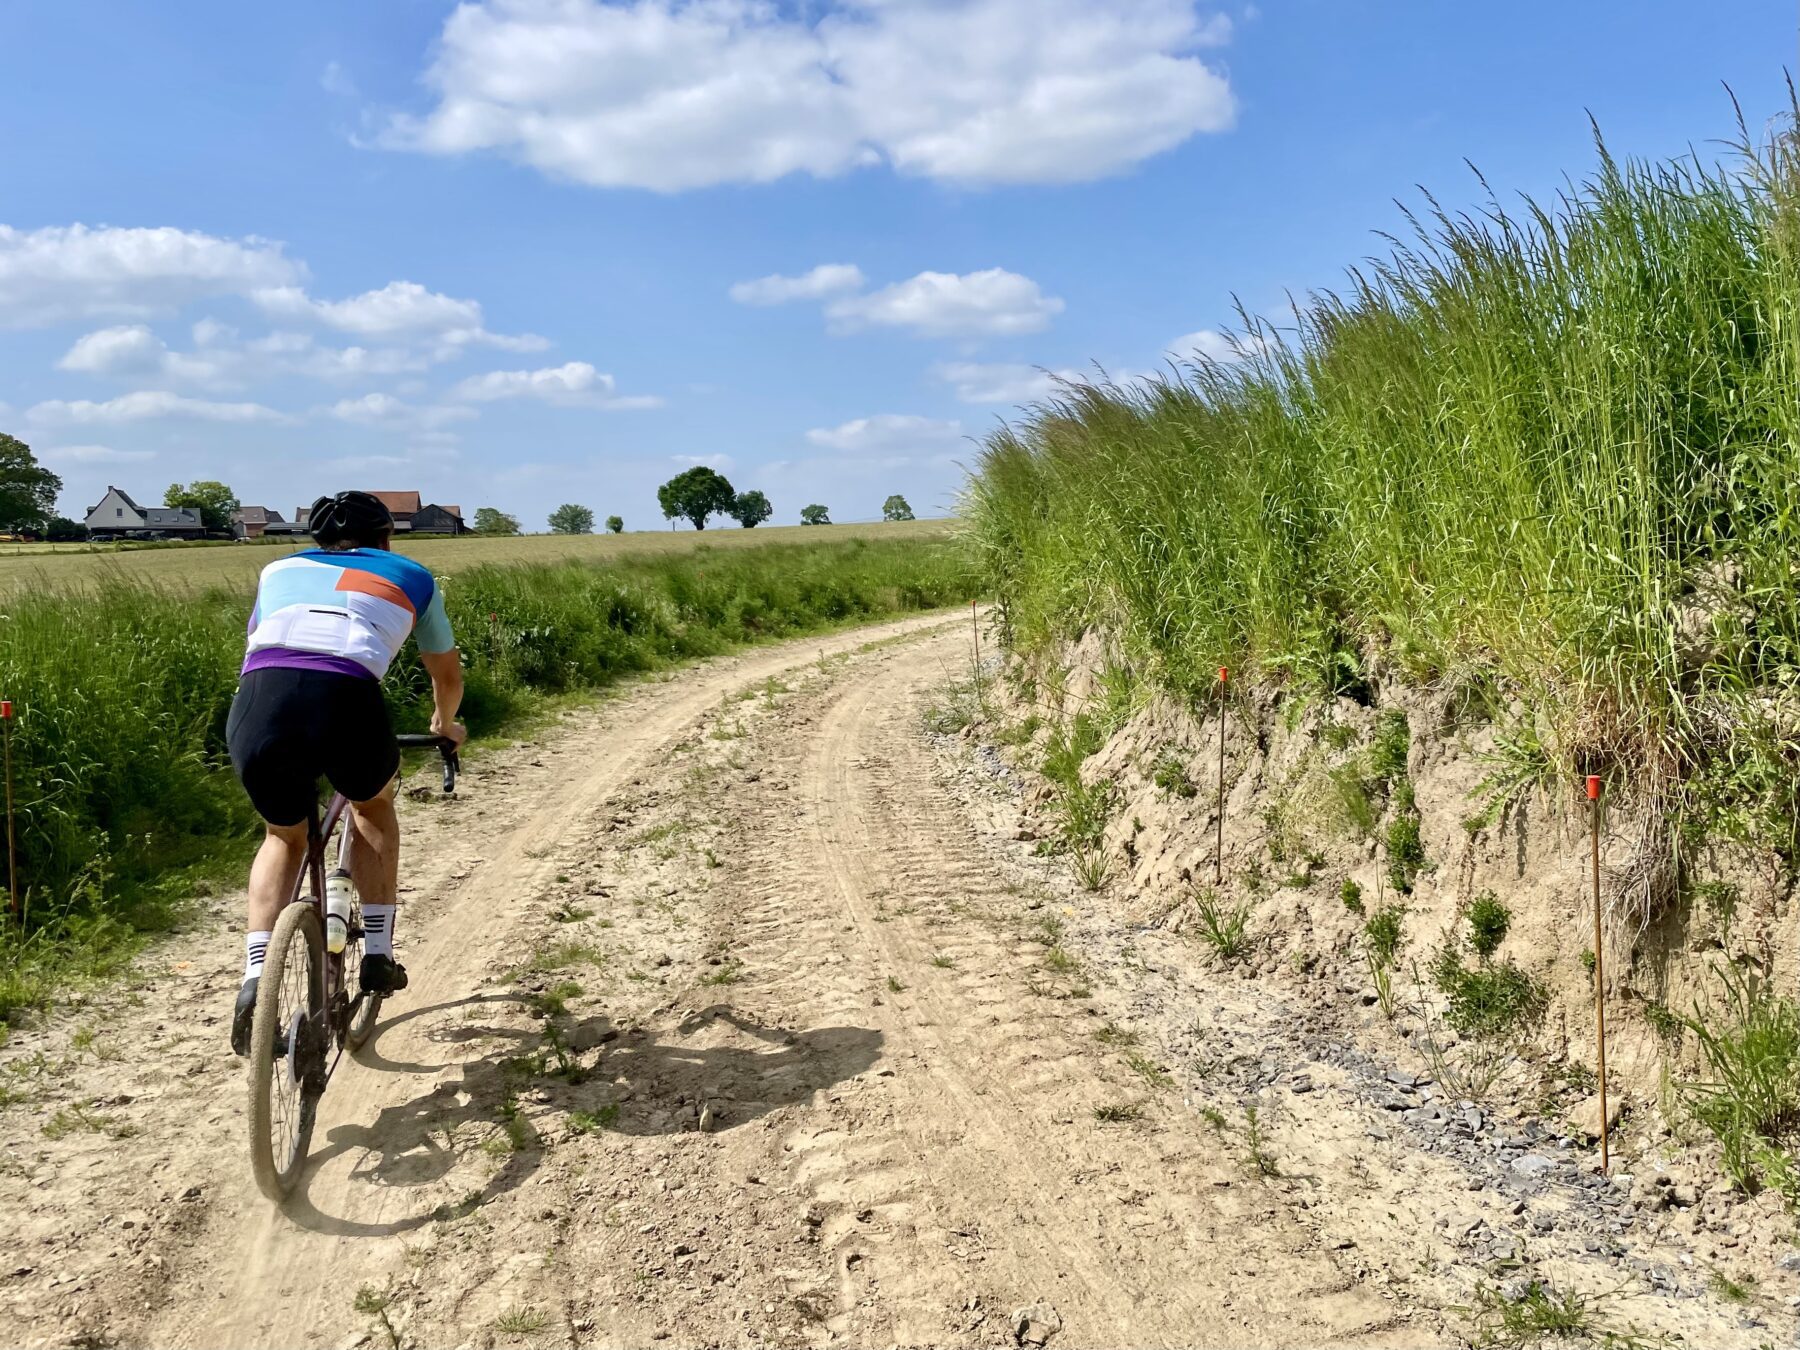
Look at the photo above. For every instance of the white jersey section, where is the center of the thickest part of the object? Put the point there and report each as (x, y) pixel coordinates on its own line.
(311, 614)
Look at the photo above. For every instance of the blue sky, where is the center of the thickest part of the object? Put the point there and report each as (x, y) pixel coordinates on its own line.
(521, 252)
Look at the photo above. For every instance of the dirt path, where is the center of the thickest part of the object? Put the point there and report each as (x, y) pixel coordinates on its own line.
(735, 1019)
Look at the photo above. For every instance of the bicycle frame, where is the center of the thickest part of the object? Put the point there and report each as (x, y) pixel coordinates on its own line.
(318, 840)
(312, 871)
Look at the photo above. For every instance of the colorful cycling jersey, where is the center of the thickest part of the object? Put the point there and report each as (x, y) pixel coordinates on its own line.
(344, 610)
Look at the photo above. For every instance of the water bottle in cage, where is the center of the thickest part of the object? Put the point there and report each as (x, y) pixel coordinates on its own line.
(337, 912)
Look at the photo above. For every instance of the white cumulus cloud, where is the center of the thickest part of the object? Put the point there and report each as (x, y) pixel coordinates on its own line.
(131, 352)
(384, 410)
(573, 384)
(991, 303)
(399, 311)
(147, 405)
(676, 94)
(889, 434)
(72, 272)
(827, 279)
(1000, 381)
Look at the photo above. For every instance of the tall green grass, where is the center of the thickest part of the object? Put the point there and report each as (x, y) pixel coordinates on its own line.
(1502, 458)
(122, 694)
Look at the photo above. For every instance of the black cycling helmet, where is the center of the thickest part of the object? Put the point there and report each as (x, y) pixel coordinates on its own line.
(350, 517)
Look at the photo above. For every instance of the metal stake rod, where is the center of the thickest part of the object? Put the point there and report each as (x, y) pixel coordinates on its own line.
(1219, 840)
(975, 627)
(1593, 793)
(12, 848)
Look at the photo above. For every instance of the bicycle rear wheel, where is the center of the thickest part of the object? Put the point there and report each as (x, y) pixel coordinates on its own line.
(288, 1041)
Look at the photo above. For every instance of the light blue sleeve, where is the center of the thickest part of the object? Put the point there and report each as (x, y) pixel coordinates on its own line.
(432, 632)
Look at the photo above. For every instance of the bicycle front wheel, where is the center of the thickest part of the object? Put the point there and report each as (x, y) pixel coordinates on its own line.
(288, 1040)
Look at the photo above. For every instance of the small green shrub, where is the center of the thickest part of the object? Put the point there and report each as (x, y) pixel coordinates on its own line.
(1351, 894)
(1489, 919)
(1492, 1001)
(1383, 938)
(1171, 775)
(1667, 1024)
(1405, 852)
(1350, 792)
(1071, 746)
(1389, 750)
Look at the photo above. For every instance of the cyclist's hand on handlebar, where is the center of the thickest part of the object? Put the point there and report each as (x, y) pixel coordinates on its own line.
(454, 732)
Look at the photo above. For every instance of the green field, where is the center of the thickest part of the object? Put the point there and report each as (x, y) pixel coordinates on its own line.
(201, 566)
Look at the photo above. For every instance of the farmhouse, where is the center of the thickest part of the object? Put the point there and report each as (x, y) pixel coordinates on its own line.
(118, 517)
(253, 522)
(411, 517)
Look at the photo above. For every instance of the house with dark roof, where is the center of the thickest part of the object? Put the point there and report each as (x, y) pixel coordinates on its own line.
(253, 522)
(116, 516)
(412, 515)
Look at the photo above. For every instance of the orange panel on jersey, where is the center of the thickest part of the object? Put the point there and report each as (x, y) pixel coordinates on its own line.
(367, 583)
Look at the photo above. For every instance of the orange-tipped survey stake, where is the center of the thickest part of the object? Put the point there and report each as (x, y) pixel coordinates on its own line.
(1593, 796)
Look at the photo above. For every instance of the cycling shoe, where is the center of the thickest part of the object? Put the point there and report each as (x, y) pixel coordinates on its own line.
(242, 1016)
(382, 975)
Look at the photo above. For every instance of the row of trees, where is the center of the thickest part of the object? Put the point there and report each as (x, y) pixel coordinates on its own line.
(28, 494)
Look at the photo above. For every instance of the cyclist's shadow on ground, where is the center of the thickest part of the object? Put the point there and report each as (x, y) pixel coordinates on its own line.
(497, 1104)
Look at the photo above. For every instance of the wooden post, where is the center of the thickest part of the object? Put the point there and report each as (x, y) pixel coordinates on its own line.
(1593, 794)
(975, 627)
(1219, 839)
(12, 848)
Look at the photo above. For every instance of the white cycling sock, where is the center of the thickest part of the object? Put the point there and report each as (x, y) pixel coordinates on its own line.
(256, 946)
(378, 930)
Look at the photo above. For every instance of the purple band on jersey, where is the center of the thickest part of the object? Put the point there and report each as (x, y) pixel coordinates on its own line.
(283, 658)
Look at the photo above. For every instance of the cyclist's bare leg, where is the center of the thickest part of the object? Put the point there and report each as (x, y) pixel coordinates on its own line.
(272, 875)
(375, 861)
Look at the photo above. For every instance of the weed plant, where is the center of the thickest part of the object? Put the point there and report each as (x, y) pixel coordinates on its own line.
(1225, 928)
(1383, 938)
(1750, 1099)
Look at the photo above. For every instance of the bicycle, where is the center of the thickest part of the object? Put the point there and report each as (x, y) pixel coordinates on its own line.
(309, 1002)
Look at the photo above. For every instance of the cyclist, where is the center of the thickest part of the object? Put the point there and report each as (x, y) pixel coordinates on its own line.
(326, 626)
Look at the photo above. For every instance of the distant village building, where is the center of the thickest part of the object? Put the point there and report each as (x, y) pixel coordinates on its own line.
(412, 517)
(118, 517)
(253, 522)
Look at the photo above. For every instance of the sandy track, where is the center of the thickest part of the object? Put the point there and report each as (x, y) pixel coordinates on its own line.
(735, 1019)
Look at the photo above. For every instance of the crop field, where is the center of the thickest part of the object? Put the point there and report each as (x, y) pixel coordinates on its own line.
(203, 566)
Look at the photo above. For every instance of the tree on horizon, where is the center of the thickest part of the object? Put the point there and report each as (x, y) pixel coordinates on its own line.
(571, 519)
(696, 493)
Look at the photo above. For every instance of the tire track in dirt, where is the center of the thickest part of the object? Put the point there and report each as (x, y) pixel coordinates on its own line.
(979, 1179)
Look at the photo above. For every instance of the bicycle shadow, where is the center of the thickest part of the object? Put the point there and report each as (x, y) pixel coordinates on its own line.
(551, 1077)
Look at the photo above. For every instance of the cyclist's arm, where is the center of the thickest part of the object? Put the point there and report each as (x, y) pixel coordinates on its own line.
(445, 669)
(442, 661)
